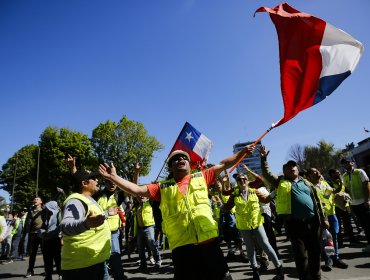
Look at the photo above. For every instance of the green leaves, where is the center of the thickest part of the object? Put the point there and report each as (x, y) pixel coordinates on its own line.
(124, 143)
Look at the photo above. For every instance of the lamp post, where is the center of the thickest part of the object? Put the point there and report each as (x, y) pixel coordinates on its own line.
(37, 175)
(15, 174)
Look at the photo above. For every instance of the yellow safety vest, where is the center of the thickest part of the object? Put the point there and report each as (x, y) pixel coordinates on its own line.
(90, 247)
(187, 219)
(1, 228)
(15, 228)
(105, 203)
(356, 188)
(147, 214)
(326, 198)
(247, 213)
(283, 198)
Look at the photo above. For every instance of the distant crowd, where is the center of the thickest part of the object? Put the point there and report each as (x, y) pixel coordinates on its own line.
(193, 212)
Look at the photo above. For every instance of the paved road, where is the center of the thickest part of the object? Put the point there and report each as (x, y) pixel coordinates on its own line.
(359, 266)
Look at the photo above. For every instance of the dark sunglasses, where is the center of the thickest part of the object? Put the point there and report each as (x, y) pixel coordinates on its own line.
(178, 157)
(241, 179)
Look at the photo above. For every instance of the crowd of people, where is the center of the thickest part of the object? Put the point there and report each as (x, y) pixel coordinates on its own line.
(85, 234)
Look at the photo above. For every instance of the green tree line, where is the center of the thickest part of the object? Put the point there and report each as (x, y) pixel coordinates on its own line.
(125, 143)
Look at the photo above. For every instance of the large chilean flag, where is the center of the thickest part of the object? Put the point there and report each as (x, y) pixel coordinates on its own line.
(315, 58)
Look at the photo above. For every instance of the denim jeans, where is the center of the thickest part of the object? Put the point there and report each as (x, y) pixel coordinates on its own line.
(115, 256)
(146, 235)
(258, 235)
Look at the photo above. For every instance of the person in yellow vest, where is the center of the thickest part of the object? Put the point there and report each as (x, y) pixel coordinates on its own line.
(326, 196)
(3, 228)
(86, 232)
(24, 237)
(144, 231)
(342, 208)
(299, 207)
(249, 221)
(109, 200)
(188, 224)
(227, 223)
(356, 182)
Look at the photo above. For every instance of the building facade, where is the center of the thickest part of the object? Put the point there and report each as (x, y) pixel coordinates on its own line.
(361, 155)
(253, 161)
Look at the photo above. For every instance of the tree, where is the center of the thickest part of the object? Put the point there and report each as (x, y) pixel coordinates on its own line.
(296, 153)
(324, 156)
(124, 143)
(55, 144)
(21, 169)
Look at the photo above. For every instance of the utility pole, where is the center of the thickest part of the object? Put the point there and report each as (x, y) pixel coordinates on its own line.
(37, 175)
(15, 174)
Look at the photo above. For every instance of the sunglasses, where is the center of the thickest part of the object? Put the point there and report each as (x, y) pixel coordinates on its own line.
(178, 157)
(93, 178)
(241, 179)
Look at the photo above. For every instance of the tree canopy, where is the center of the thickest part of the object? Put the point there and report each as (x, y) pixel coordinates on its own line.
(125, 143)
(40, 169)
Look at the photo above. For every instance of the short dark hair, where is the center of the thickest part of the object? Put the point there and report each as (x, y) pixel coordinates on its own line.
(344, 161)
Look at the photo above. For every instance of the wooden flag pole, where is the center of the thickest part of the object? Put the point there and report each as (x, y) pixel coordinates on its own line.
(254, 144)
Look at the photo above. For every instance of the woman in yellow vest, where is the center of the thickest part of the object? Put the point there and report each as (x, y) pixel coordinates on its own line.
(249, 221)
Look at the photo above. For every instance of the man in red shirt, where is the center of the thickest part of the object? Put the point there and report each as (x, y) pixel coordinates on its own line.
(187, 216)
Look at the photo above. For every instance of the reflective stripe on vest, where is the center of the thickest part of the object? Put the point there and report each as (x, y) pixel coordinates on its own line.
(90, 247)
(187, 219)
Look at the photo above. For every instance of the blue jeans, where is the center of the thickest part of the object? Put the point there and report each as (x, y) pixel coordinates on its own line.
(146, 235)
(259, 235)
(115, 257)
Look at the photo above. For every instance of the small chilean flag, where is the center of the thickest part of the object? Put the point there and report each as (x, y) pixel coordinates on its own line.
(315, 58)
(196, 144)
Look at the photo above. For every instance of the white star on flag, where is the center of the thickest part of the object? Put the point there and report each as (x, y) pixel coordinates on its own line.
(189, 136)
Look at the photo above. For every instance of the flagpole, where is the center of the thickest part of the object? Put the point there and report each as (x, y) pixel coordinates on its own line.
(171, 150)
(254, 144)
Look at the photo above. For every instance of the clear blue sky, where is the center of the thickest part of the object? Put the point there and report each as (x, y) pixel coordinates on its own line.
(78, 63)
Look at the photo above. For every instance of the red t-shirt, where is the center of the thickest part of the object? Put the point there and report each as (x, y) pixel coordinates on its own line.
(155, 193)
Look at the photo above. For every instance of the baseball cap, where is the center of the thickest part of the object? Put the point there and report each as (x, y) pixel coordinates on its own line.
(177, 152)
(84, 175)
(290, 163)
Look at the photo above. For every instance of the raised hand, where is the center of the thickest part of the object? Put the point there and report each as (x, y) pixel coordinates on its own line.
(263, 152)
(107, 170)
(71, 163)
